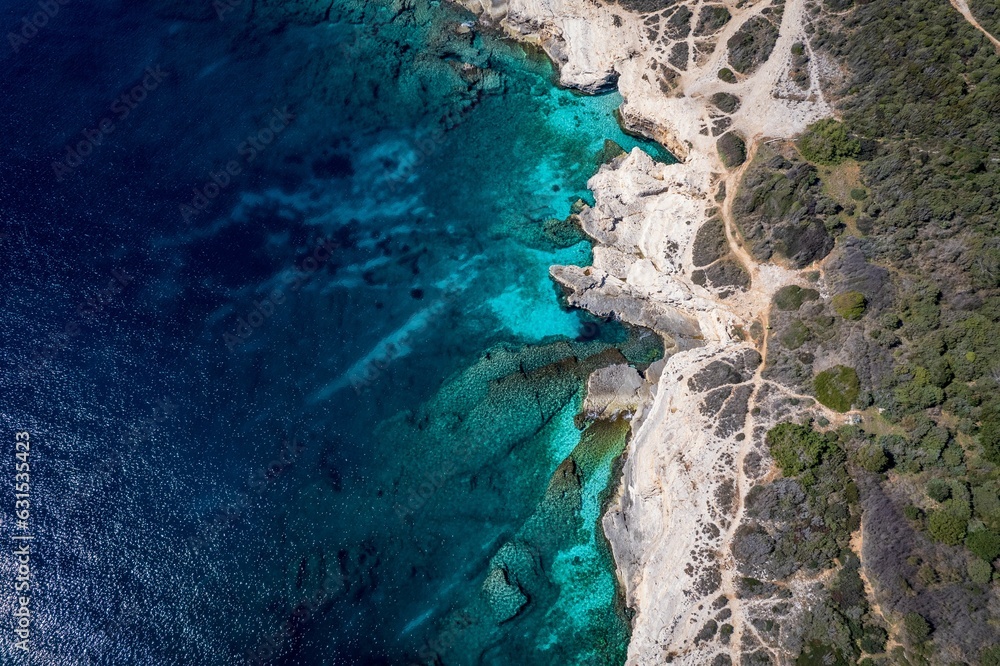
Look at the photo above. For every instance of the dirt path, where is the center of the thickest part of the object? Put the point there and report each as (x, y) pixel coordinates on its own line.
(759, 302)
(963, 7)
(857, 545)
(740, 619)
(732, 235)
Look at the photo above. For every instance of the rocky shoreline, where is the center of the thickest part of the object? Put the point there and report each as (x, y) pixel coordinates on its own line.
(667, 257)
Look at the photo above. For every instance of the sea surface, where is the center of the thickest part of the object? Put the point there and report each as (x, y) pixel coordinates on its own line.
(276, 314)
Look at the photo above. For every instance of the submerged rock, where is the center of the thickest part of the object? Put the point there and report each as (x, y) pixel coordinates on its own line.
(612, 392)
(610, 151)
(505, 598)
(563, 233)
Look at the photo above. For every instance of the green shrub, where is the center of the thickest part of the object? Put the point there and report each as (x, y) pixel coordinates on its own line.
(953, 456)
(792, 297)
(732, 150)
(726, 102)
(751, 45)
(778, 210)
(938, 490)
(850, 305)
(711, 19)
(827, 142)
(872, 457)
(795, 448)
(727, 75)
(984, 543)
(980, 572)
(918, 393)
(987, 505)
(990, 656)
(837, 388)
(912, 512)
(859, 193)
(917, 628)
(946, 526)
(796, 335)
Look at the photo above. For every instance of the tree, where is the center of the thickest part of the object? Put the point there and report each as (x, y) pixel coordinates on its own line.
(989, 439)
(873, 640)
(946, 526)
(985, 544)
(872, 457)
(980, 572)
(917, 628)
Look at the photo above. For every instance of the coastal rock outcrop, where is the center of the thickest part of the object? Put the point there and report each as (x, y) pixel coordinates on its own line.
(643, 222)
(670, 257)
(669, 530)
(669, 73)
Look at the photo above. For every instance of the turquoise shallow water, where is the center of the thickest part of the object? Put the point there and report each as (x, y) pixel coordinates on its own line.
(460, 486)
(368, 454)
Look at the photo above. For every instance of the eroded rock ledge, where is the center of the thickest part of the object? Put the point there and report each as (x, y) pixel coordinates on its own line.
(710, 81)
(644, 226)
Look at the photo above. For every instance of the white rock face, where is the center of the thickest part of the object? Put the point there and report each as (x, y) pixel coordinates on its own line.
(698, 439)
(678, 507)
(573, 33)
(644, 222)
(599, 44)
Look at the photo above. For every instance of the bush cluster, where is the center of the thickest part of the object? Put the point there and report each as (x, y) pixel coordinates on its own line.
(828, 142)
(837, 388)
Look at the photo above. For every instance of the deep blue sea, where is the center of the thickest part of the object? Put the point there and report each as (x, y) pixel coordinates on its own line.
(276, 315)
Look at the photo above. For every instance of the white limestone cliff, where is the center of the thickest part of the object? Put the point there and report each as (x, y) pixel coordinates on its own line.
(697, 445)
